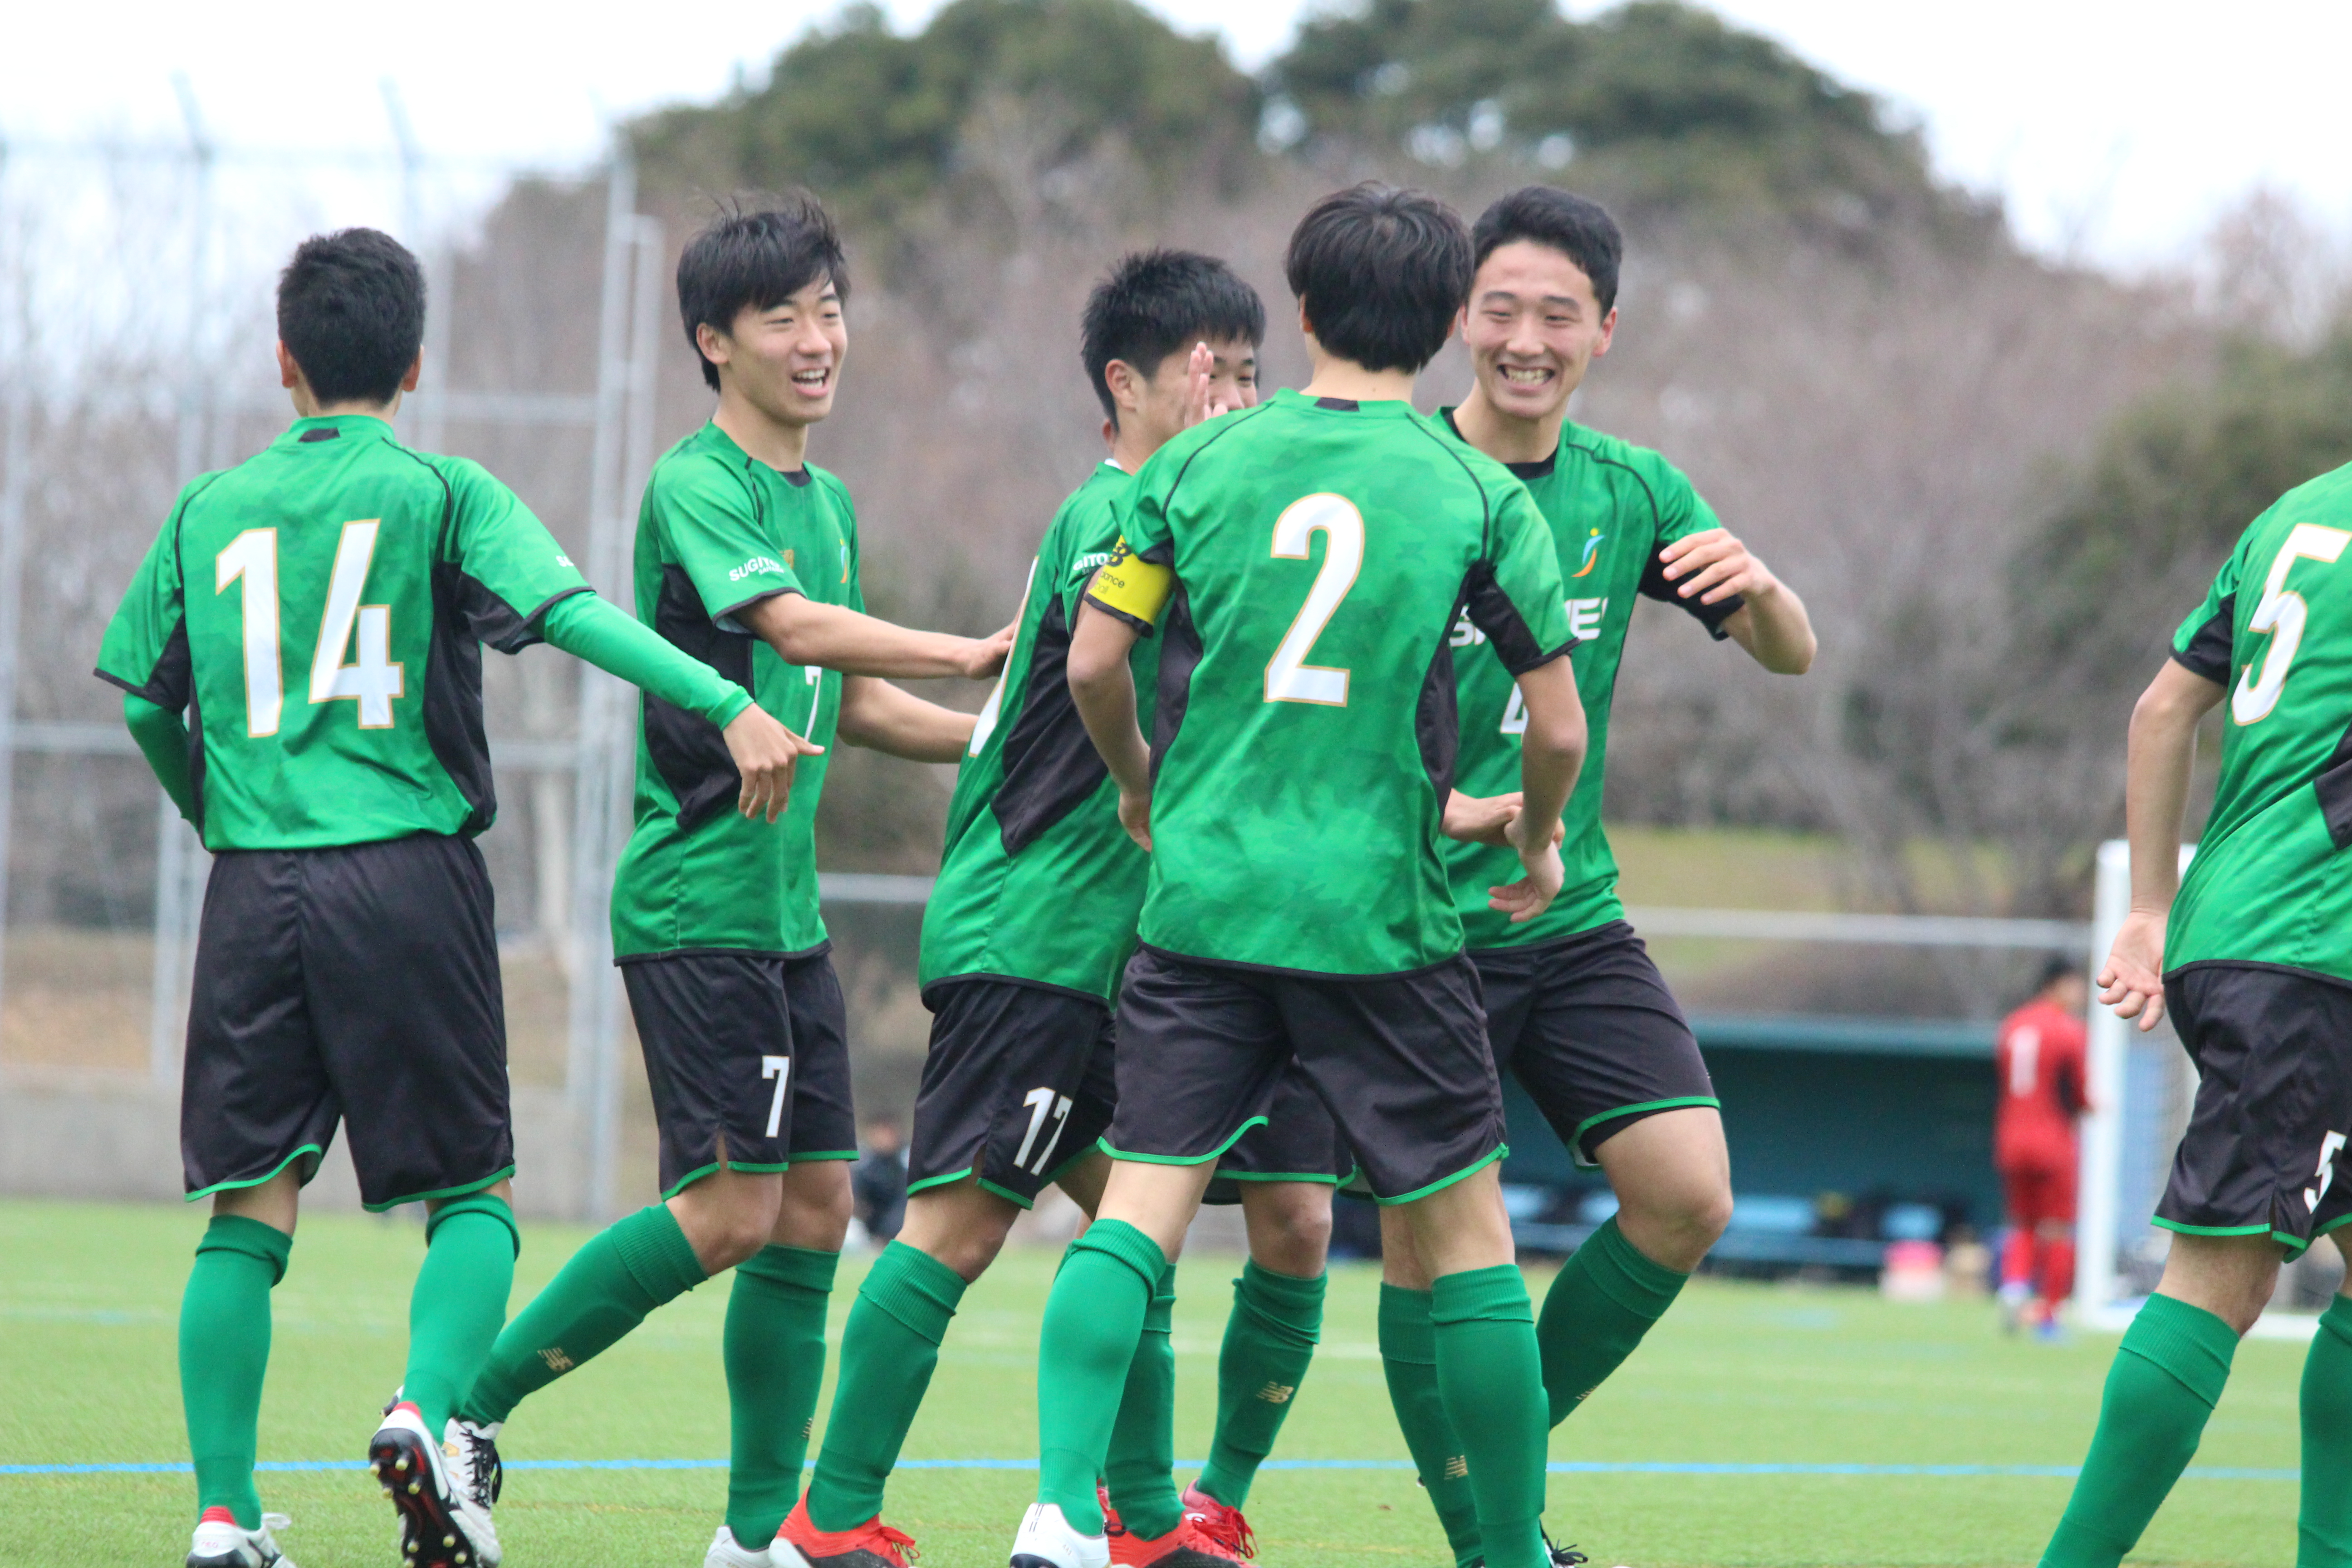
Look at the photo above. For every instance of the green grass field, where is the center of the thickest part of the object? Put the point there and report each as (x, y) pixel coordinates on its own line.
(1738, 1374)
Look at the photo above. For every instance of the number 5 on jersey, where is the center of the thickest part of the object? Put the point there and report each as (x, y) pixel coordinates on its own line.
(2281, 615)
(371, 681)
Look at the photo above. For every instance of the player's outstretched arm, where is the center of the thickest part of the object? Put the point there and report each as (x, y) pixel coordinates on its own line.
(2163, 752)
(832, 636)
(765, 752)
(880, 716)
(1712, 565)
(1486, 819)
(1103, 687)
(1551, 754)
(163, 738)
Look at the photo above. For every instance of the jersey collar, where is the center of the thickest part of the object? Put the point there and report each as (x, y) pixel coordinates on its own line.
(1535, 471)
(1387, 407)
(712, 432)
(319, 429)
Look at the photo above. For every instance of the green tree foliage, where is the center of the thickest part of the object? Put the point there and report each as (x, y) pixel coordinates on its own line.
(875, 120)
(1659, 101)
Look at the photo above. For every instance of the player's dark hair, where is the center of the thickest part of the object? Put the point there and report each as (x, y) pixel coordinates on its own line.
(1577, 227)
(754, 258)
(1381, 272)
(1154, 302)
(350, 309)
(2053, 969)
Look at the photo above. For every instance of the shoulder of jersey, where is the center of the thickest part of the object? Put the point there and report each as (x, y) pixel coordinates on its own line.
(1599, 446)
(833, 485)
(691, 465)
(2331, 491)
(1185, 443)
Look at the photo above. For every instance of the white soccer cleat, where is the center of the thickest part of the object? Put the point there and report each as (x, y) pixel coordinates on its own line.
(444, 1512)
(221, 1542)
(725, 1552)
(1046, 1540)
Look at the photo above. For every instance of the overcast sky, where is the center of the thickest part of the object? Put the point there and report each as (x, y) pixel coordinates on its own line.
(2115, 131)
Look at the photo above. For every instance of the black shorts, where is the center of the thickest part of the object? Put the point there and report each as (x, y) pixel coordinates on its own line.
(1589, 1029)
(1018, 1085)
(358, 984)
(1399, 1061)
(1299, 1141)
(751, 1048)
(2264, 1154)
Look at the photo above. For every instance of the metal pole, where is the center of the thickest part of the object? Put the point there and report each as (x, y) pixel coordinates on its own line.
(15, 461)
(425, 414)
(593, 1057)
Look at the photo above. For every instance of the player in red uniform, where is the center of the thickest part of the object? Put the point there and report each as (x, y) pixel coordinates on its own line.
(2040, 1061)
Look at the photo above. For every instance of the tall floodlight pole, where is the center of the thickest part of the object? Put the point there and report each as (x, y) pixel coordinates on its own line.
(16, 463)
(593, 1057)
(176, 843)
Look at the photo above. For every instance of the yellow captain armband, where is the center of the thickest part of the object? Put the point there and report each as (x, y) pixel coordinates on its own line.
(1131, 588)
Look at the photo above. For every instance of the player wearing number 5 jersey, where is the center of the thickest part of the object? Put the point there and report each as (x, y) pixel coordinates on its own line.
(317, 614)
(1304, 562)
(2252, 956)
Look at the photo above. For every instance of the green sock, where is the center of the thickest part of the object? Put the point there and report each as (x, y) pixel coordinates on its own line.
(224, 1353)
(774, 1350)
(1602, 1302)
(459, 1302)
(1140, 1468)
(1269, 1339)
(889, 1349)
(623, 1272)
(1490, 1375)
(1408, 1357)
(2166, 1376)
(2325, 1523)
(1094, 1323)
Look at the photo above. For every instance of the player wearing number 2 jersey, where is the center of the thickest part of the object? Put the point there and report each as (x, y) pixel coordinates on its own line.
(1575, 1008)
(1304, 562)
(316, 613)
(2252, 955)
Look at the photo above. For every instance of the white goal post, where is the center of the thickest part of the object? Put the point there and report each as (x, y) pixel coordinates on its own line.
(2140, 1088)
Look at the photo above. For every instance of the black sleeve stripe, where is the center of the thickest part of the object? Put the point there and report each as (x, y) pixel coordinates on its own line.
(171, 683)
(760, 597)
(1492, 612)
(2209, 652)
(1655, 584)
(1142, 626)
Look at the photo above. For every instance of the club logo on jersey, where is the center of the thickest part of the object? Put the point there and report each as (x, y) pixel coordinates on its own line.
(563, 560)
(758, 566)
(844, 561)
(1591, 554)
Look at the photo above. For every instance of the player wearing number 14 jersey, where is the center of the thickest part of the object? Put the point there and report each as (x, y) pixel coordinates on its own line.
(317, 614)
(2252, 956)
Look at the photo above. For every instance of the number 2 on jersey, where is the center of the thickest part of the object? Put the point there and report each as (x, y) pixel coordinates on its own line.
(372, 680)
(2282, 614)
(1288, 677)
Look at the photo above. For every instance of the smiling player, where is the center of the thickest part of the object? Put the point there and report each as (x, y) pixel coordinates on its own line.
(746, 559)
(1575, 1007)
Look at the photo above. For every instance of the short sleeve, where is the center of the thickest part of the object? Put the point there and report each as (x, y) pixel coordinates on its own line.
(510, 569)
(2203, 644)
(1681, 512)
(1142, 516)
(1514, 593)
(713, 530)
(145, 650)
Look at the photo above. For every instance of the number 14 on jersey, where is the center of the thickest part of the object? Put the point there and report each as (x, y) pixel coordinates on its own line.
(371, 681)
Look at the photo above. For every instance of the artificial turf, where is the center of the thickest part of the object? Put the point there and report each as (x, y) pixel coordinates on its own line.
(1738, 1374)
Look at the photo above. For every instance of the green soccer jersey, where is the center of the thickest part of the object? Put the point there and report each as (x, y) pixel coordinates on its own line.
(719, 531)
(2271, 882)
(1612, 506)
(1039, 882)
(1312, 555)
(333, 674)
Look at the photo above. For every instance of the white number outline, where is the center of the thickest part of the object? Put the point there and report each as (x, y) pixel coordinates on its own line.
(993, 709)
(781, 1070)
(372, 680)
(2282, 614)
(1288, 677)
(251, 558)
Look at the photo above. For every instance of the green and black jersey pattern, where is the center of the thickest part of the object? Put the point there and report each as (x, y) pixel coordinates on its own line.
(2271, 882)
(318, 612)
(1612, 508)
(1039, 882)
(1321, 551)
(719, 531)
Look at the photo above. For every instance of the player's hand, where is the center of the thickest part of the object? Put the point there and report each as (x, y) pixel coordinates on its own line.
(1135, 815)
(987, 655)
(1532, 894)
(765, 754)
(1486, 819)
(2132, 980)
(1200, 400)
(1713, 565)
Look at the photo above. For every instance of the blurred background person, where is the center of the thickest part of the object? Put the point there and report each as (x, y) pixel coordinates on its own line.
(877, 1184)
(2039, 1063)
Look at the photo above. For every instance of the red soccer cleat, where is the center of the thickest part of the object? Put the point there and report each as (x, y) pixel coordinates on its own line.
(872, 1545)
(1221, 1524)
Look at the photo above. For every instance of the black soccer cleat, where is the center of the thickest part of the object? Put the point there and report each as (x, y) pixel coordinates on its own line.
(1564, 1557)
